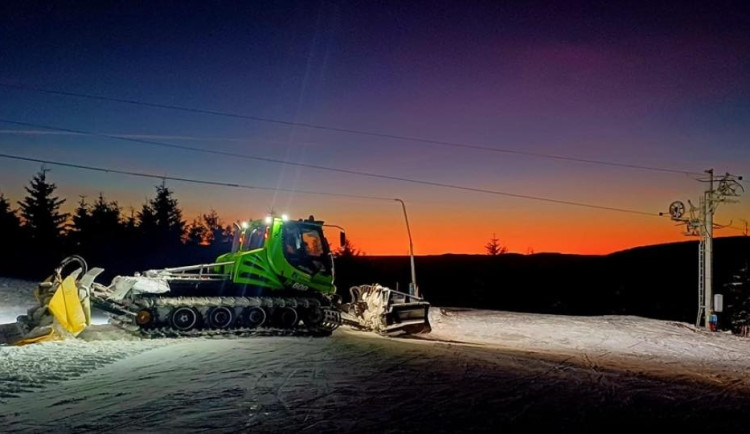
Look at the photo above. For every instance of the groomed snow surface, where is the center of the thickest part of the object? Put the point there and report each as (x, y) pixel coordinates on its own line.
(477, 371)
(15, 298)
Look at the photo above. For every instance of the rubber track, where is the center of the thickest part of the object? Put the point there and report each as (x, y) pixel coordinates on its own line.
(126, 322)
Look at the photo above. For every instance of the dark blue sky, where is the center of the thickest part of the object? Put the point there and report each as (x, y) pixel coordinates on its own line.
(660, 83)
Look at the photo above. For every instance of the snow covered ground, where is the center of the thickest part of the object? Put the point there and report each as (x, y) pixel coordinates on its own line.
(654, 347)
(15, 298)
(478, 370)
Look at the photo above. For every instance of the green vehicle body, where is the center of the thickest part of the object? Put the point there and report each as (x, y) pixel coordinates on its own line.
(276, 254)
(278, 278)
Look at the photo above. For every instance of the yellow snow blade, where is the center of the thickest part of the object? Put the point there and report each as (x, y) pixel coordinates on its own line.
(66, 307)
(51, 336)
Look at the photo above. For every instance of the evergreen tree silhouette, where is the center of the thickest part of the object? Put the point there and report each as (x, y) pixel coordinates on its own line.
(167, 215)
(129, 248)
(97, 232)
(10, 224)
(79, 233)
(161, 227)
(130, 224)
(205, 239)
(12, 240)
(105, 217)
(105, 228)
(347, 250)
(146, 221)
(219, 236)
(196, 233)
(40, 210)
(494, 248)
(43, 223)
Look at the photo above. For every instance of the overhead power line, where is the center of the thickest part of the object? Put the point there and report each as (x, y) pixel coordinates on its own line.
(189, 180)
(435, 184)
(349, 130)
(135, 136)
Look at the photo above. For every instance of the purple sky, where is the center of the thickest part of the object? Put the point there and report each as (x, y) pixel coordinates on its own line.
(659, 84)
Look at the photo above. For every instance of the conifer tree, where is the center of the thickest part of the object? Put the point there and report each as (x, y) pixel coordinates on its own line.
(130, 222)
(13, 245)
(105, 217)
(40, 210)
(9, 222)
(196, 233)
(79, 231)
(167, 215)
(494, 248)
(347, 250)
(161, 227)
(95, 224)
(217, 234)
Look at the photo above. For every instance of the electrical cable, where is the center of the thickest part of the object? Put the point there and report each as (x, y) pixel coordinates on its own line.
(436, 184)
(188, 180)
(348, 130)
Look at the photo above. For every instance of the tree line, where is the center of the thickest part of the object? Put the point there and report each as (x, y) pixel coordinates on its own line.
(648, 281)
(37, 234)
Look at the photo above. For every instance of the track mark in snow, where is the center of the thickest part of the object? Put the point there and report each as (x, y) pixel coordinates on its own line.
(68, 401)
(33, 367)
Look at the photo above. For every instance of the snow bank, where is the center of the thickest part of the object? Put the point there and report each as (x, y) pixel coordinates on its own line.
(620, 342)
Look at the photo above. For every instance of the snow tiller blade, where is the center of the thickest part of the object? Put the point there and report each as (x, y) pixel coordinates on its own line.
(386, 311)
(64, 308)
(71, 313)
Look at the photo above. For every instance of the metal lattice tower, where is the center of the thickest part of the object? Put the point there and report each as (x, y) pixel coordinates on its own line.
(700, 222)
(701, 281)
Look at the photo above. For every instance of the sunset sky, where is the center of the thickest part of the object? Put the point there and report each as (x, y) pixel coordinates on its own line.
(662, 84)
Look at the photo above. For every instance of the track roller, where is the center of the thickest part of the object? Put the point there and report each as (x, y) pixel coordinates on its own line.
(184, 318)
(285, 317)
(253, 317)
(221, 317)
(313, 316)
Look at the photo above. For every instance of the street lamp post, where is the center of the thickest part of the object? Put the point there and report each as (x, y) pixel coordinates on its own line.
(413, 288)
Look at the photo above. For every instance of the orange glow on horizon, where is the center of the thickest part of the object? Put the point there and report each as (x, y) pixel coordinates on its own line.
(442, 221)
(384, 237)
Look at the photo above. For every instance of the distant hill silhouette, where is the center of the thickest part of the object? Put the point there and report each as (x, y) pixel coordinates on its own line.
(658, 281)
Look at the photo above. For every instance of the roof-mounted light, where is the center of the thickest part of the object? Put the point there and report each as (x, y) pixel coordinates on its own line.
(284, 217)
(244, 225)
(269, 219)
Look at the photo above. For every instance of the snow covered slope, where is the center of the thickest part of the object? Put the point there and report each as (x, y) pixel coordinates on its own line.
(622, 342)
(478, 370)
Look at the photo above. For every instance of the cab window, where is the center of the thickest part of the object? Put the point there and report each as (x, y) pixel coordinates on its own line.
(304, 241)
(313, 244)
(256, 239)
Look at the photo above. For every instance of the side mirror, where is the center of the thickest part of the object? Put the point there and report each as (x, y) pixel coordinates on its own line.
(342, 238)
(236, 237)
